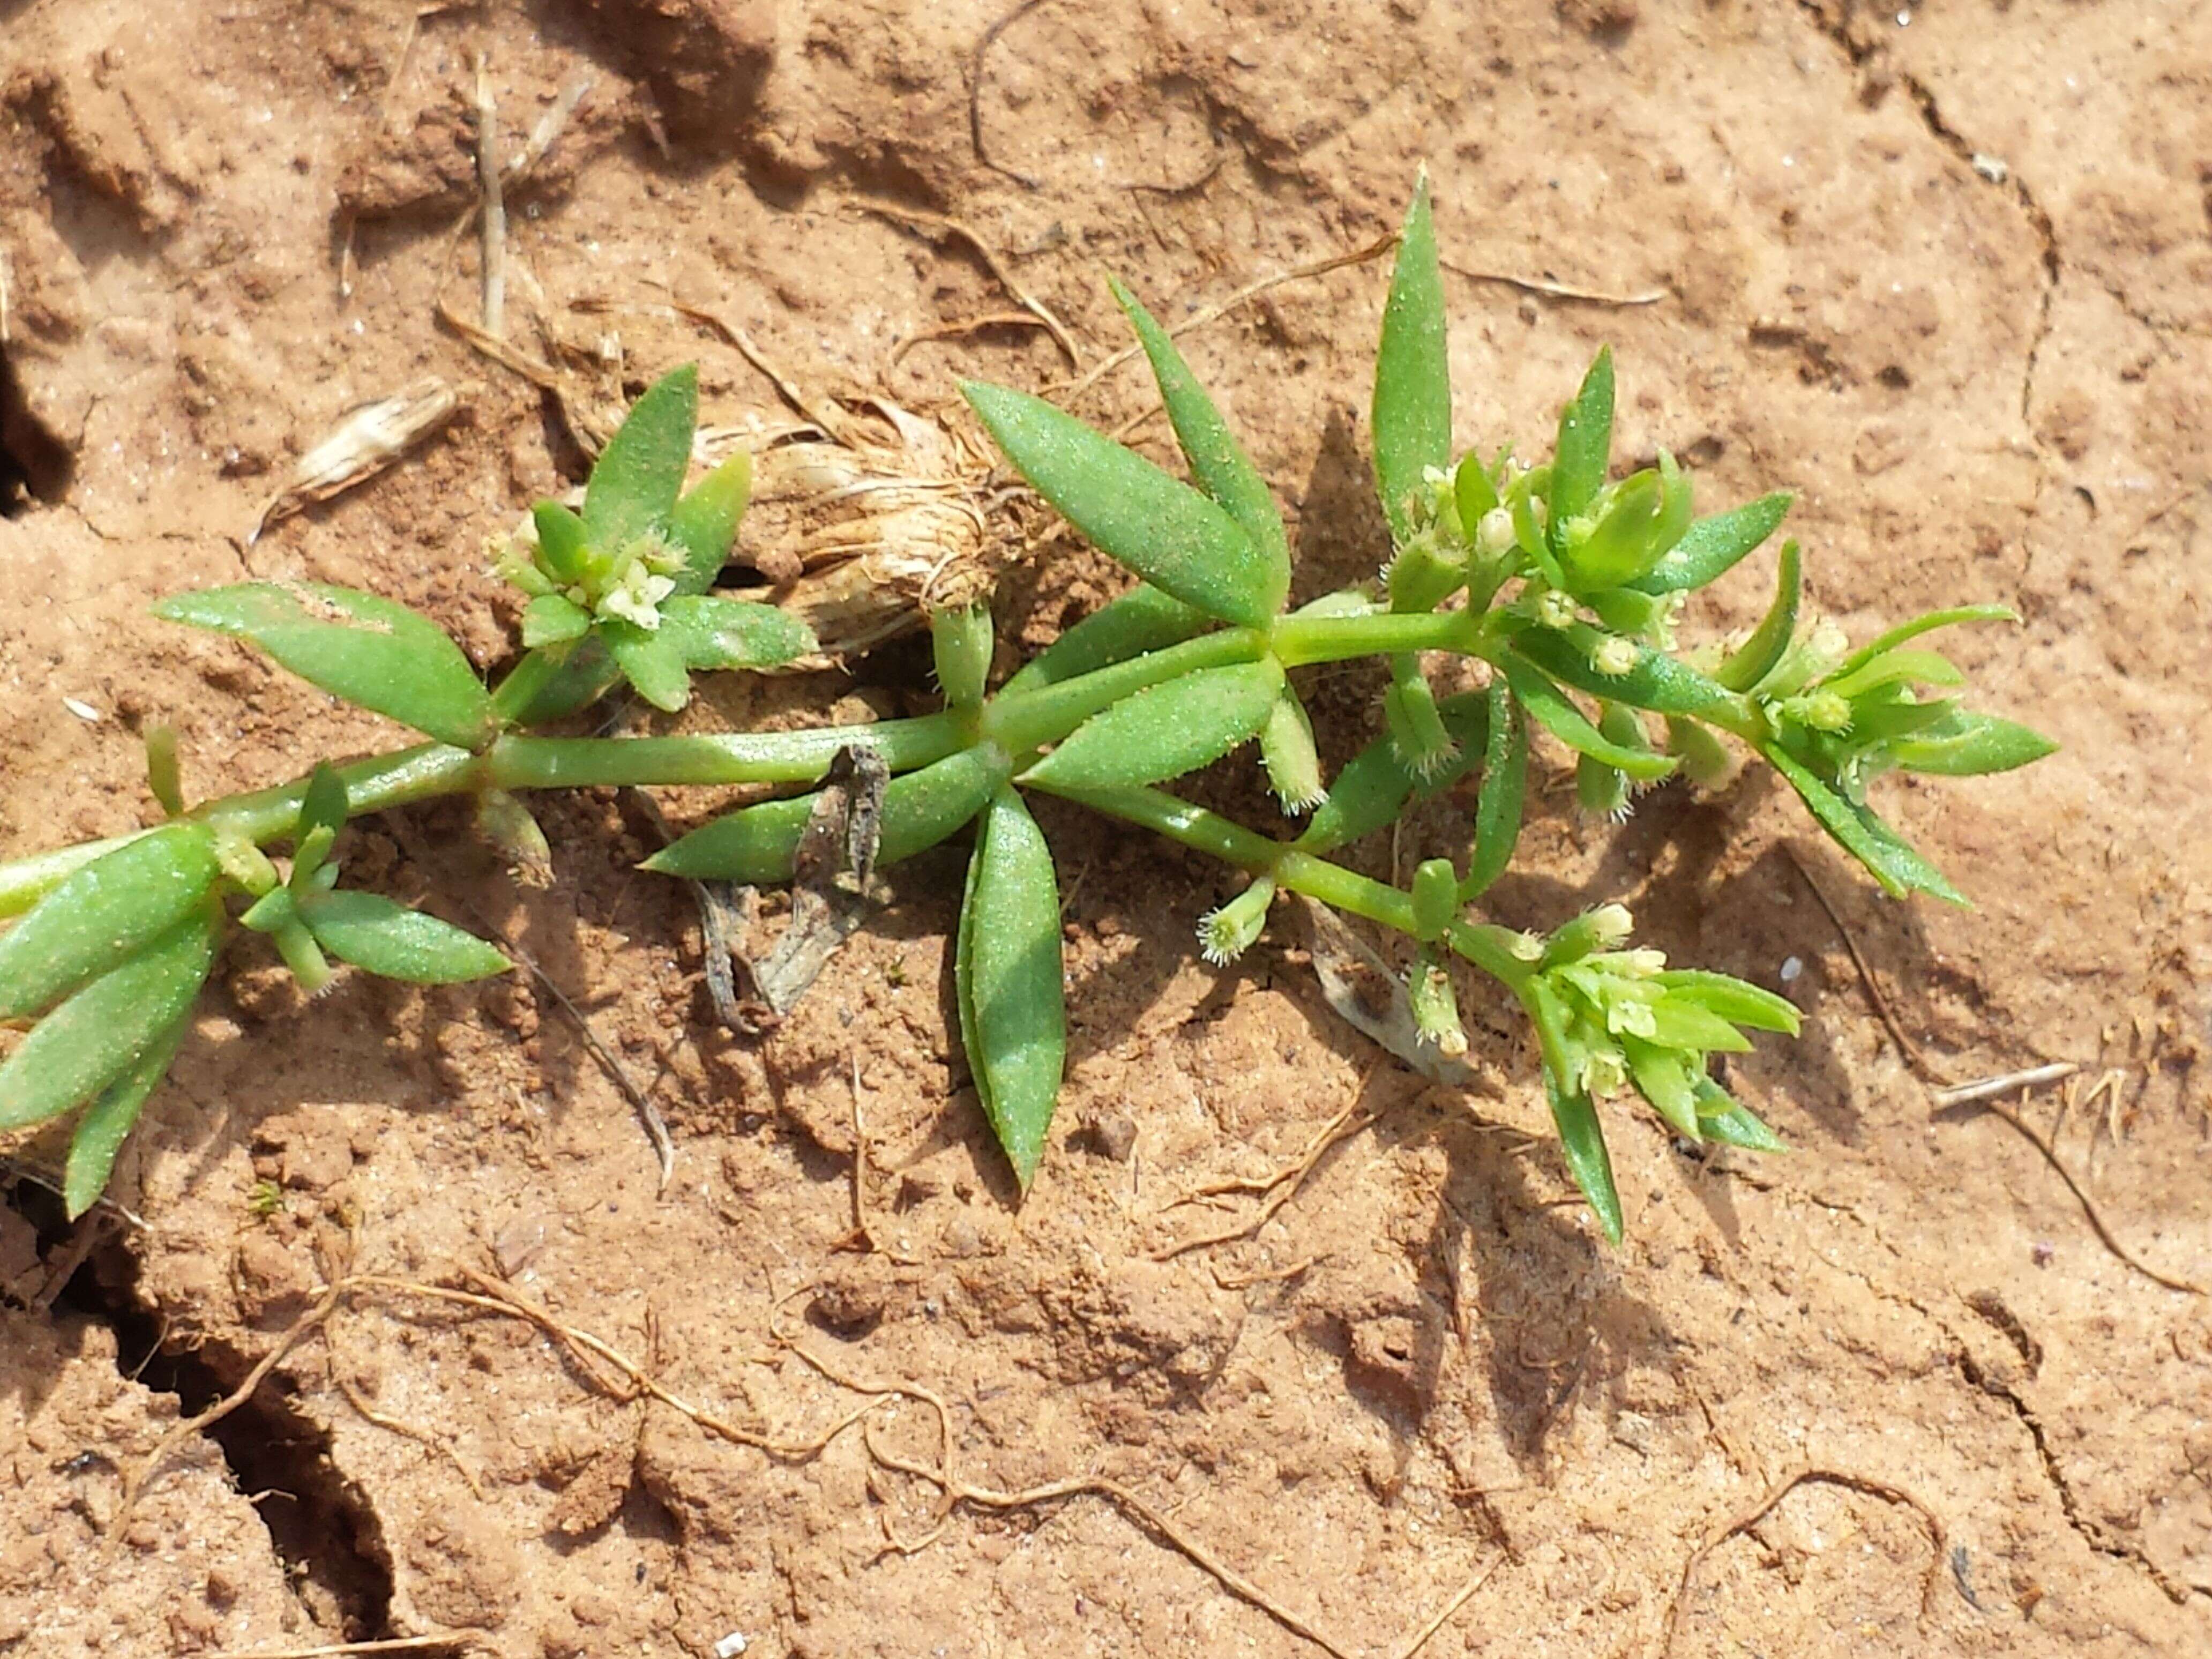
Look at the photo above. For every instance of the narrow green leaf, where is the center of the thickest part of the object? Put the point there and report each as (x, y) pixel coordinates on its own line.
(1927, 623)
(102, 914)
(354, 646)
(1411, 414)
(1218, 465)
(1556, 713)
(389, 939)
(563, 542)
(757, 844)
(1713, 544)
(1895, 668)
(1585, 443)
(652, 663)
(1726, 1120)
(1734, 1000)
(1143, 619)
(1966, 744)
(106, 1122)
(103, 1031)
(1169, 533)
(559, 684)
(704, 523)
(964, 980)
(711, 632)
(1166, 731)
(1859, 832)
(1017, 1019)
(164, 779)
(1581, 1137)
(552, 618)
(1474, 493)
(1663, 1078)
(1657, 681)
(634, 484)
(324, 805)
(1756, 657)
(1504, 786)
(1683, 1022)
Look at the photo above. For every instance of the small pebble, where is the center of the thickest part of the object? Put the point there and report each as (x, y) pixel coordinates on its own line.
(730, 1645)
(1791, 967)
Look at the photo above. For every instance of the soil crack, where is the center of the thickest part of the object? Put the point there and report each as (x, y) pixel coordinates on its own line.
(2090, 1532)
(321, 1525)
(1861, 53)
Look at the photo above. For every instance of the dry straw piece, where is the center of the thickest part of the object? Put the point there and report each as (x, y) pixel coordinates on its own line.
(370, 438)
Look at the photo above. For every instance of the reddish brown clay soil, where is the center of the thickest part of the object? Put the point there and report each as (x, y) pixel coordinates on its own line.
(1946, 273)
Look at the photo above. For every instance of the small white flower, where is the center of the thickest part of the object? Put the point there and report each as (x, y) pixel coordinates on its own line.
(637, 598)
(1612, 924)
(1493, 532)
(1555, 609)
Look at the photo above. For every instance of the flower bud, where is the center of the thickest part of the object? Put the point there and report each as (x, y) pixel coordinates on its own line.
(1436, 1005)
(1227, 934)
(961, 640)
(1615, 656)
(1436, 898)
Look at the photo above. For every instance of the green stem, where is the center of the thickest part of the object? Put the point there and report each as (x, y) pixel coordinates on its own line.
(1297, 640)
(1020, 722)
(1488, 947)
(516, 763)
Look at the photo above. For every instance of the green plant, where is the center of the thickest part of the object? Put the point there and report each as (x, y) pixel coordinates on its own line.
(1564, 583)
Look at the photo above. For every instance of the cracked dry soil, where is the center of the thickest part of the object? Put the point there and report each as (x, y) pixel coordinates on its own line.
(1944, 272)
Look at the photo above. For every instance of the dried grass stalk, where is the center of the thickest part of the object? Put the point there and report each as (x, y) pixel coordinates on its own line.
(370, 438)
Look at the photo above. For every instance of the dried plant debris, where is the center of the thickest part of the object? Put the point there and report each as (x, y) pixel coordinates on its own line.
(1362, 989)
(368, 439)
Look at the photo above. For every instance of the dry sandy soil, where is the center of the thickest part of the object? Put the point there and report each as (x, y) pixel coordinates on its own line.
(1944, 272)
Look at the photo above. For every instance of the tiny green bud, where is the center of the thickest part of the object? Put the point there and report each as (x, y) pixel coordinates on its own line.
(244, 863)
(1526, 947)
(961, 639)
(1555, 609)
(1708, 763)
(1227, 934)
(1435, 899)
(1606, 928)
(1603, 1073)
(163, 777)
(1614, 656)
(1602, 791)
(1286, 750)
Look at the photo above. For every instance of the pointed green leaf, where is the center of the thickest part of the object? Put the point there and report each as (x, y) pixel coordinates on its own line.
(1556, 713)
(324, 805)
(102, 914)
(106, 1122)
(652, 662)
(1663, 1078)
(1505, 786)
(1143, 619)
(704, 524)
(1474, 492)
(561, 683)
(1727, 1121)
(1581, 1137)
(552, 619)
(1169, 533)
(1657, 682)
(1165, 731)
(712, 632)
(1712, 545)
(105, 1029)
(563, 542)
(1585, 443)
(1218, 465)
(1009, 978)
(1685, 1023)
(164, 779)
(1757, 656)
(1735, 1000)
(379, 937)
(634, 484)
(1412, 416)
(1927, 623)
(757, 844)
(1895, 668)
(1965, 745)
(1859, 832)
(354, 646)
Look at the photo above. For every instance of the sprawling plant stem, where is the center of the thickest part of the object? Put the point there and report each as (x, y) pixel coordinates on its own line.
(1020, 722)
